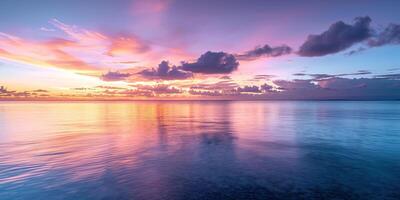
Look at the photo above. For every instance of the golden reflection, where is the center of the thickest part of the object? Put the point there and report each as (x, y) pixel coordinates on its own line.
(87, 140)
(87, 137)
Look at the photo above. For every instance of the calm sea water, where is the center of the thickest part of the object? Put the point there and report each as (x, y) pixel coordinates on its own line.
(199, 150)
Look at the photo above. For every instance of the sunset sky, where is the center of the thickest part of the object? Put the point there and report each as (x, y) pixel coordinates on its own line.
(183, 49)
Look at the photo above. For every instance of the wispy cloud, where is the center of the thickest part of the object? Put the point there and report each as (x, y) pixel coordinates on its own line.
(327, 76)
(47, 29)
(265, 51)
(78, 49)
(114, 76)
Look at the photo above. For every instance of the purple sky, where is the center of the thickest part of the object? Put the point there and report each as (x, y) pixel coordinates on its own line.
(212, 49)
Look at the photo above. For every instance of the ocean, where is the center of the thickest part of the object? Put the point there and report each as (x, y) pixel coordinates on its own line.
(200, 150)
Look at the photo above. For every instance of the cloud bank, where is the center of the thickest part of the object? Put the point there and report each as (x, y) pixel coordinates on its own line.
(114, 76)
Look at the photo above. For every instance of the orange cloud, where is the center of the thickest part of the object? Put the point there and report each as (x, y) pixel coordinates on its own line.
(40, 53)
(78, 50)
(126, 45)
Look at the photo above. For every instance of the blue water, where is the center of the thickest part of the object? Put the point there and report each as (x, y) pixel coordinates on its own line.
(199, 150)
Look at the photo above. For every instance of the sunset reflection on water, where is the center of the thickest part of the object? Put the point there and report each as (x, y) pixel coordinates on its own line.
(197, 150)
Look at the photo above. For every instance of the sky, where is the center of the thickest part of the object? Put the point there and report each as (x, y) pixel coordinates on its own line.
(186, 49)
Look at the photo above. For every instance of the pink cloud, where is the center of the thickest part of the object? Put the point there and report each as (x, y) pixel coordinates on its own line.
(150, 6)
(82, 50)
(126, 45)
(48, 53)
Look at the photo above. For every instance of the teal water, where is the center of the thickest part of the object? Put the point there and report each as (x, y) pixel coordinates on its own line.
(199, 150)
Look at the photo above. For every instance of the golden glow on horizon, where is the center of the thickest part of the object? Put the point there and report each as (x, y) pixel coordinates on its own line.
(70, 66)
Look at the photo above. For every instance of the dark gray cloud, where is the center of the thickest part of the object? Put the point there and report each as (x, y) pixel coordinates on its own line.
(159, 89)
(373, 85)
(389, 76)
(394, 69)
(165, 89)
(265, 51)
(295, 85)
(225, 77)
(326, 76)
(263, 77)
(166, 72)
(227, 88)
(390, 35)
(82, 88)
(40, 91)
(266, 88)
(212, 63)
(338, 37)
(208, 63)
(144, 91)
(221, 85)
(4, 92)
(109, 87)
(250, 89)
(115, 76)
(204, 93)
(339, 88)
(130, 93)
(356, 51)
(3, 89)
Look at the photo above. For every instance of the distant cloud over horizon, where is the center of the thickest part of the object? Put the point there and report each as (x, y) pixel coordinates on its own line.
(326, 76)
(379, 87)
(114, 76)
(265, 51)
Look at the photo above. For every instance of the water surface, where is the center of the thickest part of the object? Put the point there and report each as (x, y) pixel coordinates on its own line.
(199, 150)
